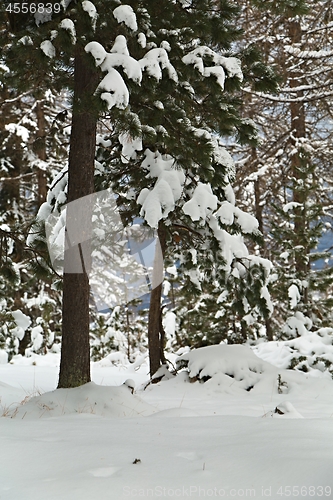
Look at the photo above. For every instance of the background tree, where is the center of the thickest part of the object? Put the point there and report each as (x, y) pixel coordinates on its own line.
(286, 177)
(28, 159)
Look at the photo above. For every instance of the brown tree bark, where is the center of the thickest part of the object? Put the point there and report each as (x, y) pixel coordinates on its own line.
(298, 130)
(41, 174)
(75, 352)
(155, 335)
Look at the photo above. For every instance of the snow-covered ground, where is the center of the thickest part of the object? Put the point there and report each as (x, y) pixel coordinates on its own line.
(253, 430)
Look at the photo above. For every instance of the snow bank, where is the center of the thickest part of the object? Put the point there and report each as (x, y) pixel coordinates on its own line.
(225, 362)
(90, 398)
(309, 352)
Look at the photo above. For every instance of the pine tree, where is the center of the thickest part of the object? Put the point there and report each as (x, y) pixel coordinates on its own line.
(163, 134)
(174, 123)
(28, 161)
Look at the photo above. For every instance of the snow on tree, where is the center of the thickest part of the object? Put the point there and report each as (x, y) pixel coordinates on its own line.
(165, 86)
(33, 147)
(286, 176)
(174, 166)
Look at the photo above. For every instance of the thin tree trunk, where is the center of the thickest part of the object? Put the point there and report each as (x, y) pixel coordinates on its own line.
(154, 319)
(41, 174)
(75, 352)
(298, 130)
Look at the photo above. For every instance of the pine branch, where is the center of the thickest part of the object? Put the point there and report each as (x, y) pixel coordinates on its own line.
(9, 101)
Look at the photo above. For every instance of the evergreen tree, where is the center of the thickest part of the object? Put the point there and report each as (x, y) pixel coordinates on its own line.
(28, 160)
(286, 177)
(162, 153)
(175, 127)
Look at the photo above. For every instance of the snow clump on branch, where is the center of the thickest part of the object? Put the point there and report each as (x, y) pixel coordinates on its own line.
(125, 14)
(115, 90)
(160, 201)
(229, 64)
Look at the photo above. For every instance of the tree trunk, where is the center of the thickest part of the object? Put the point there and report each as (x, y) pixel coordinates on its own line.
(41, 151)
(75, 352)
(155, 346)
(298, 130)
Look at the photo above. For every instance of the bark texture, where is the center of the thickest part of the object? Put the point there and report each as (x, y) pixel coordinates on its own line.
(41, 134)
(155, 328)
(298, 130)
(75, 353)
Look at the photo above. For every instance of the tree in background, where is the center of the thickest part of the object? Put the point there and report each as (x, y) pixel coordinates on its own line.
(33, 147)
(286, 177)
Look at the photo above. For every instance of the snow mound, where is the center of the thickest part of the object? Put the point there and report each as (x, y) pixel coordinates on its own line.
(285, 410)
(10, 398)
(225, 362)
(310, 352)
(88, 399)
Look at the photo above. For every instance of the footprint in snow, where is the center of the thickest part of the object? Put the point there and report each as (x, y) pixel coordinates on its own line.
(104, 471)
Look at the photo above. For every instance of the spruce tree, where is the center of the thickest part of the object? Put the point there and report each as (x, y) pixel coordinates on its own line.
(50, 46)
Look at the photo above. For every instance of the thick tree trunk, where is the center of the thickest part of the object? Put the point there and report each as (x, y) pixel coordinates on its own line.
(155, 336)
(75, 352)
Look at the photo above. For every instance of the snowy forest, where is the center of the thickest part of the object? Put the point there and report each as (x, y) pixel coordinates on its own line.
(166, 249)
(206, 129)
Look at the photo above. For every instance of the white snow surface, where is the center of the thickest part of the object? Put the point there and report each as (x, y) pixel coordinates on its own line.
(173, 439)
